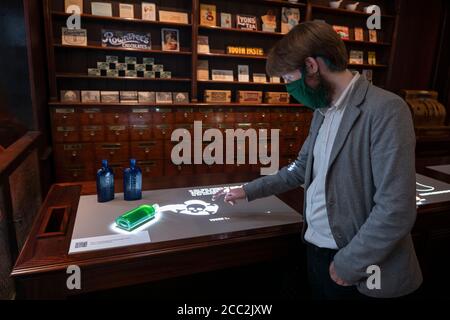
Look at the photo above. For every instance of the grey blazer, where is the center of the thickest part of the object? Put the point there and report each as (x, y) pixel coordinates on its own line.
(370, 190)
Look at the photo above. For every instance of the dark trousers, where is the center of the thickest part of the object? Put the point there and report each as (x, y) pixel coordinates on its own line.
(322, 286)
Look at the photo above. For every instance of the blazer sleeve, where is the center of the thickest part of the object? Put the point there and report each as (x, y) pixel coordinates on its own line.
(393, 214)
(287, 178)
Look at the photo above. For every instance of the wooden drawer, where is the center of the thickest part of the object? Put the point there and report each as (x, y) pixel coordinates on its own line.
(219, 116)
(186, 115)
(116, 133)
(244, 116)
(75, 173)
(290, 146)
(162, 131)
(263, 125)
(140, 116)
(91, 116)
(236, 168)
(151, 168)
(66, 134)
(225, 126)
(290, 130)
(73, 154)
(141, 132)
(295, 116)
(113, 152)
(308, 115)
(278, 116)
(147, 150)
(163, 116)
(64, 117)
(171, 169)
(115, 118)
(205, 115)
(208, 169)
(229, 116)
(188, 128)
(92, 133)
(261, 115)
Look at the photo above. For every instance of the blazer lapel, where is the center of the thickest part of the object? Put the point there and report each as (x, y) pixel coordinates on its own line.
(315, 126)
(351, 114)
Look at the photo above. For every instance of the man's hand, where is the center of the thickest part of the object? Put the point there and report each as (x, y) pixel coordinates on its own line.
(230, 195)
(335, 277)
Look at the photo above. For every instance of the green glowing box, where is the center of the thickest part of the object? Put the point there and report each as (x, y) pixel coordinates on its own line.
(136, 217)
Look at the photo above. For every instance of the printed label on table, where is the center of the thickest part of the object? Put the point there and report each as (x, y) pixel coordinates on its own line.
(109, 241)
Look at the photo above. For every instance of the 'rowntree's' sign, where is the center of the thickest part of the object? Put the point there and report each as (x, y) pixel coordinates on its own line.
(122, 39)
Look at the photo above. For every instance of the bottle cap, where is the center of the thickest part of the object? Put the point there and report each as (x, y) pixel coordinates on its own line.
(132, 162)
(104, 163)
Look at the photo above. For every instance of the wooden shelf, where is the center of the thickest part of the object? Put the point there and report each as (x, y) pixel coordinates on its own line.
(259, 32)
(97, 47)
(277, 3)
(369, 66)
(344, 11)
(237, 104)
(191, 104)
(368, 43)
(122, 20)
(231, 56)
(85, 76)
(239, 83)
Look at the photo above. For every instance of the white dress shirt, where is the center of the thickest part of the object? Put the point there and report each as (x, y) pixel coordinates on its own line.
(318, 231)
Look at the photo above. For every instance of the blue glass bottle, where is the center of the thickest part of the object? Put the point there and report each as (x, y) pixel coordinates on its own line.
(105, 183)
(132, 182)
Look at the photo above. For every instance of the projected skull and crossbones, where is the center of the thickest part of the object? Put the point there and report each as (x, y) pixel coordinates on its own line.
(191, 207)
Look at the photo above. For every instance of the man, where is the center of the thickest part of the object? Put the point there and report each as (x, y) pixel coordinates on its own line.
(357, 167)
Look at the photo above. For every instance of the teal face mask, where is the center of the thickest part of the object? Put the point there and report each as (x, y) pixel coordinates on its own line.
(311, 98)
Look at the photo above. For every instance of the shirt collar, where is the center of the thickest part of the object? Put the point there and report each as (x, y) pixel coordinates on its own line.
(340, 102)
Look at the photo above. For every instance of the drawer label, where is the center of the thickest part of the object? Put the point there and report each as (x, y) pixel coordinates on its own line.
(113, 146)
(69, 147)
(92, 128)
(146, 144)
(117, 128)
(141, 127)
(65, 129)
(91, 110)
(165, 110)
(64, 110)
(140, 110)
